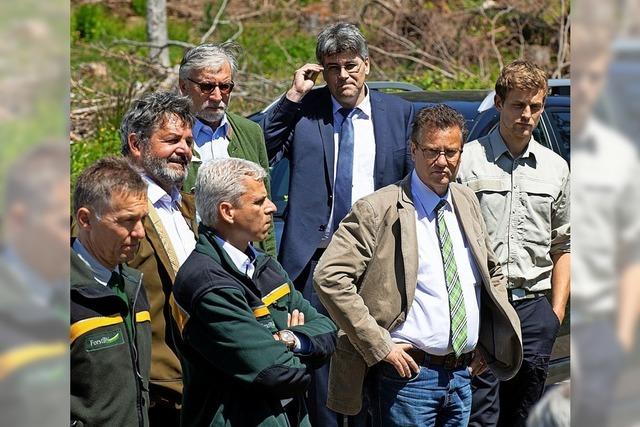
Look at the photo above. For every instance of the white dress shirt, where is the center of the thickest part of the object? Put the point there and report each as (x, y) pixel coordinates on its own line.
(210, 144)
(428, 322)
(182, 238)
(364, 152)
(240, 259)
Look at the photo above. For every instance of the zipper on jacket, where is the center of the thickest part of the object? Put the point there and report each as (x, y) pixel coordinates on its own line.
(134, 353)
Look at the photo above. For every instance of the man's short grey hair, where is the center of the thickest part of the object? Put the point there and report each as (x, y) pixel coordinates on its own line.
(210, 55)
(99, 182)
(222, 180)
(149, 113)
(341, 37)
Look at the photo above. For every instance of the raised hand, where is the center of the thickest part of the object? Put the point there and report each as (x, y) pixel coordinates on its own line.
(303, 81)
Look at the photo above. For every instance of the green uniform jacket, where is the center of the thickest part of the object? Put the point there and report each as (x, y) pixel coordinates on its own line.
(109, 365)
(246, 142)
(235, 373)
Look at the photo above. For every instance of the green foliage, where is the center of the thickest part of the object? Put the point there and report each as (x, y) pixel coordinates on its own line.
(276, 50)
(430, 80)
(307, 2)
(139, 7)
(91, 22)
(106, 139)
(274, 43)
(207, 18)
(86, 152)
(179, 30)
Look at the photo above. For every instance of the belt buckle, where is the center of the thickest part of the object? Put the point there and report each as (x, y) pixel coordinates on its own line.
(517, 294)
(450, 361)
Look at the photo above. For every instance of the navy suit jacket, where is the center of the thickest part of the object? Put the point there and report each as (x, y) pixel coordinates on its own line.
(303, 132)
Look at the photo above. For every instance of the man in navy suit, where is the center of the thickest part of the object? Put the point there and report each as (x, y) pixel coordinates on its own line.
(343, 142)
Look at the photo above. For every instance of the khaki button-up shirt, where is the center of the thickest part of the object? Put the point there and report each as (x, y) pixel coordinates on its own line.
(525, 204)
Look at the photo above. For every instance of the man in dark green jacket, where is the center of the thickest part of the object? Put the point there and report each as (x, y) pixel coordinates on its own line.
(206, 77)
(110, 324)
(249, 339)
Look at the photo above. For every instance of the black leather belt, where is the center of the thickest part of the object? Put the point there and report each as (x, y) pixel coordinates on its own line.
(448, 361)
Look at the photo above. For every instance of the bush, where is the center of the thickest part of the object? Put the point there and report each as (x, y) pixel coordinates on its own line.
(92, 22)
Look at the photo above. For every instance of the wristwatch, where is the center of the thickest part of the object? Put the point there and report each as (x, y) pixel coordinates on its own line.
(288, 338)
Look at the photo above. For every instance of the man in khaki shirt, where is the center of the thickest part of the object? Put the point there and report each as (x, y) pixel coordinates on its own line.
(523, 189)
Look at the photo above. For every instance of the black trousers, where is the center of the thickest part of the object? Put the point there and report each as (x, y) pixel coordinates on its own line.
(507, 403)
(316, 401)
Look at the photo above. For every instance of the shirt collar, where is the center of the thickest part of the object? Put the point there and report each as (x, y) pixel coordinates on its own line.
(199, 126)
(499, 147)
(240, 259)
(426, 197)
(100, 272)
(364, 106)
(157, 196)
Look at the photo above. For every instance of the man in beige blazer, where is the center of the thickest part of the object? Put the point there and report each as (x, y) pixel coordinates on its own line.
(417, 315)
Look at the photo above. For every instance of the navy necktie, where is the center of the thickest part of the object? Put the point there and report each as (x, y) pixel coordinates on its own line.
(344, 170)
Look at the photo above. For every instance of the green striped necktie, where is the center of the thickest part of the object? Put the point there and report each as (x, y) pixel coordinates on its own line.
(457, 311)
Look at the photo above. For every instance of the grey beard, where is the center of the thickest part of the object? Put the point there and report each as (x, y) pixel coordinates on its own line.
(159, 170)
(210, 117)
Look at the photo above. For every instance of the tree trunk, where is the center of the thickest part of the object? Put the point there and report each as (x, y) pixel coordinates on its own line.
(157, 31)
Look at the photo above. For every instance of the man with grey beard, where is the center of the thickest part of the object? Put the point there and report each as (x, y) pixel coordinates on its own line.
(207, 75)
(156, 137)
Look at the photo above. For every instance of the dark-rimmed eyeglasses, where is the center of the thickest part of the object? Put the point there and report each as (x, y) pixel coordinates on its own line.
(225, 88)
(349, 67)
(431, 154)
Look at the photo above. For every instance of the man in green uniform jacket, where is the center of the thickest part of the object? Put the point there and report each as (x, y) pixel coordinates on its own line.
(206, 77)
(249, 340)
(110, 324)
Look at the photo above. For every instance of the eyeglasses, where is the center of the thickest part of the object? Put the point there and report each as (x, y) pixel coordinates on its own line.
(431, 154)
(225, 88)
(349, 67)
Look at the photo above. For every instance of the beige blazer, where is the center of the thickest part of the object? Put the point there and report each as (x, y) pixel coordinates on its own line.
(367, 279)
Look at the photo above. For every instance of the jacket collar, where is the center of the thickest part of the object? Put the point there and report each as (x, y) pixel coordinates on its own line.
(208, 245)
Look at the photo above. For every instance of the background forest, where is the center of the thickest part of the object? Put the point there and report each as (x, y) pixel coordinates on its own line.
(456, 44)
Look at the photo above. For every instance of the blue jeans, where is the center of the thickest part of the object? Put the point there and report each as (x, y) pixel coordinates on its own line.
(433, 397)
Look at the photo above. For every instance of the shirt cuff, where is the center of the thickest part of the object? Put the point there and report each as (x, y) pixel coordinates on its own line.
(303, 344)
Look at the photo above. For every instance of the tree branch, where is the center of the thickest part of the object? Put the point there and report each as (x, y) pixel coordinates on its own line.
(414, 59)
(216, 21)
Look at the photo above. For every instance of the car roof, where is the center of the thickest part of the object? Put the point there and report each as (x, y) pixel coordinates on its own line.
(556, 87)
(464, 101)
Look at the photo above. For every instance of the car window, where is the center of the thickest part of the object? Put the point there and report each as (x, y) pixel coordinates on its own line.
(540, 135)
(561, 122)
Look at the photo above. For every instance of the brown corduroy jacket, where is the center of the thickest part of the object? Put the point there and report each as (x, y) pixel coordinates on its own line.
(153, 261)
